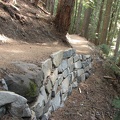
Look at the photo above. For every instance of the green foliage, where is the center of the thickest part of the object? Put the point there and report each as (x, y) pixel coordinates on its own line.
(111, 67)
(117, 117)
(32, 89)
(105, 48)
(116, 104)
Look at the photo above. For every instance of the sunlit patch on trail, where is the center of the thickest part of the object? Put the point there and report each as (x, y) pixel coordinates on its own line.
(5, 39)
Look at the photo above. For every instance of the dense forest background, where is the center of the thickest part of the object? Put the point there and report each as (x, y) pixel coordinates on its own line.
(98, 21)
(41, 27)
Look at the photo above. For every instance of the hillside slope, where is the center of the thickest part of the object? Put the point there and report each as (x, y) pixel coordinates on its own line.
(26, 34)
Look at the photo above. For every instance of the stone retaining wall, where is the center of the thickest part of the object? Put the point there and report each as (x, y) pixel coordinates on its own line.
(59, 74)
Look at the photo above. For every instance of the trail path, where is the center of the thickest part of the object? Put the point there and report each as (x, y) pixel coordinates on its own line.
(82, 45)
(32, 39)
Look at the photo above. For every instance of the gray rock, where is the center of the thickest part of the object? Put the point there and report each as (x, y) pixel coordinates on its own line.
(73, 76)
(47, 106)
(64, 97)
(77, 65)
(76, 58)
(74, 84)
(78, 79)
(86, 69)
(60, 79)
(85, 63)
(87, 75)
(62, 105)
(72, 67)
(75, 73)
(63, 66)
(44, 117)
(18, 104)
(82, 77)
(39, 106)
(87, 56)
(55, 86)
(48, 86)
(27, 67)
(3, 84)
(68, 53)
(90, 65)
(30, 71)
(24, 85)
(55, 102)
(84, 57)
(27, 82)
(80, 72)
(70, 61)
(43, 92)
(57, 58)
(70, 90)
(2, 111)
(81, 57)
(47, 67)
(89, 60)
(66, 72)
(54, 76)
(33, 116)
(65, 84)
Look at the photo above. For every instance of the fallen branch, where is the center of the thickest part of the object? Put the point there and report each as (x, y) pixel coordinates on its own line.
(79, 90)
(107, 77)
(44, 10)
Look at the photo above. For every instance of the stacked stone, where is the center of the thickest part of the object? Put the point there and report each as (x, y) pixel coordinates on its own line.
(54, 78)
(62, 72)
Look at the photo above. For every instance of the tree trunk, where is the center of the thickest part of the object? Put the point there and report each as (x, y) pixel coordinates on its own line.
(86, 22)
(113, 15)
(52, 6)
(99, 23)
(63, 16)
(74, 16)
(115, 21)
(106, 21)
(77, 25)
(117, 46)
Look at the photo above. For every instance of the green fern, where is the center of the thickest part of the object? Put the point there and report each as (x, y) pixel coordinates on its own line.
(105, 48)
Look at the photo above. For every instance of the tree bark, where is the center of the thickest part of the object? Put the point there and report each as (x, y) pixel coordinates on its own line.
(99, 23)
(77, 30)
(63, 16)
(106, 22)
(74, 16)
(117, 46)
(113, 15)
(86, 23)
(52, 6)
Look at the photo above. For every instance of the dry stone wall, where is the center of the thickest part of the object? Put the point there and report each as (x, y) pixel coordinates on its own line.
(58, 75)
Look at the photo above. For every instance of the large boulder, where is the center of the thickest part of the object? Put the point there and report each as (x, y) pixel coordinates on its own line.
(17, 104)
(27, 82)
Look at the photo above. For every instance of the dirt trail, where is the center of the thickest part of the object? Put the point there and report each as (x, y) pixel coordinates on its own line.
(33, 39)
(81, 44)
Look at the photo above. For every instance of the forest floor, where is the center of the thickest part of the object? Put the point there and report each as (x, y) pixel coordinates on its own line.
(29, 35)
(93, 100)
